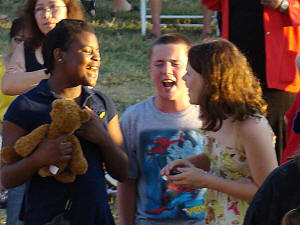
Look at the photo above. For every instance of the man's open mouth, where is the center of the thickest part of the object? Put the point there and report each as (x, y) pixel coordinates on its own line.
(168, 83)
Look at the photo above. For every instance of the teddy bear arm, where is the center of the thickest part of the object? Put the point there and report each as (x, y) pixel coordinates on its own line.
(78, 163)
(8, 155)
(45, 171)
(26, 144)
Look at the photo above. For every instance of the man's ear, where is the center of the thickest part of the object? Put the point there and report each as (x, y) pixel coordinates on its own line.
(58, 55)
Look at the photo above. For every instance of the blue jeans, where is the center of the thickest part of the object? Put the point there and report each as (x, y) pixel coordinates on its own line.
(14, 204)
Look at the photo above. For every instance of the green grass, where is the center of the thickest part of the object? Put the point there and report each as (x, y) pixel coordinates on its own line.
(124, 74)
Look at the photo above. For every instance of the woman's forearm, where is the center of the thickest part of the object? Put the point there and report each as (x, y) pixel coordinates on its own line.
(19, 82)
(115, 158)
(200, 161)
(17, 173)
(238, 189)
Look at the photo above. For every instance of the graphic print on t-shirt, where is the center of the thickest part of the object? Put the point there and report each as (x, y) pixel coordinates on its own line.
(165, 200)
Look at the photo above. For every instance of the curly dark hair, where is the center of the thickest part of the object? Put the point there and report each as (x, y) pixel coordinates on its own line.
(61, 37)
(74, 11)
(231, 89)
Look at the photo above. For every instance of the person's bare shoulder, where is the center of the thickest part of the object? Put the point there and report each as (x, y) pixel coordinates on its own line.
(253, 126)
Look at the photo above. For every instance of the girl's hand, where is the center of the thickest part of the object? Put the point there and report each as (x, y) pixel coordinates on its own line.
(191, 177)
(52, 151)
(93, 130)
(175, 164)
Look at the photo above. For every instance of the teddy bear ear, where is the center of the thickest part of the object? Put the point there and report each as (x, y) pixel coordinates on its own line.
(57, 103)
(84, 115)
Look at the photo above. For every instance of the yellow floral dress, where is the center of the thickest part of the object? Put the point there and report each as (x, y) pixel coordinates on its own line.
(228, 163)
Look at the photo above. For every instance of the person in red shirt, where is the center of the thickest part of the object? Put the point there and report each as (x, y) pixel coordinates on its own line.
(292, 138)
(267, 32)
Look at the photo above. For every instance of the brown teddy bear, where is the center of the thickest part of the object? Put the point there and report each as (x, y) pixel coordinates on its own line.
(66, 117)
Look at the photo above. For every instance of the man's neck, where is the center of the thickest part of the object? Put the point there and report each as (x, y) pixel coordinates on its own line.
(168, 106)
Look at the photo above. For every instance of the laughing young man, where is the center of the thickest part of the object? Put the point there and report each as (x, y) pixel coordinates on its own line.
(157, 131)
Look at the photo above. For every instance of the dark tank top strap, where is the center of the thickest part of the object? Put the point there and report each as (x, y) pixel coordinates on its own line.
(31, 63)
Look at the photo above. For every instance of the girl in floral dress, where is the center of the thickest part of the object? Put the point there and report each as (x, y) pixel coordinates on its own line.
(239, 146)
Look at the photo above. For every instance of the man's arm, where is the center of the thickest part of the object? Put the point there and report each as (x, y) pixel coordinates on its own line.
(126, 200)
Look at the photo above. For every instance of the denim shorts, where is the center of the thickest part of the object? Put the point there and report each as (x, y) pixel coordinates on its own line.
(14, 204)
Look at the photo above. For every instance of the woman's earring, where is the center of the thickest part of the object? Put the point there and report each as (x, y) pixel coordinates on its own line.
(59, 60)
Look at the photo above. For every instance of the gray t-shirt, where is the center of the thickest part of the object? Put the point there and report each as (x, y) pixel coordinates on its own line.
(153, 139)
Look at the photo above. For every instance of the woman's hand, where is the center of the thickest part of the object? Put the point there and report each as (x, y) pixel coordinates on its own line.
(52, 151)
(175, 164)
(93, 130)
(109, 143)
(191, 177)
(48, 152)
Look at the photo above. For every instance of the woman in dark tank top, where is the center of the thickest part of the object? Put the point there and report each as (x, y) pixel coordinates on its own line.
(31, 63)
(25, 69)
